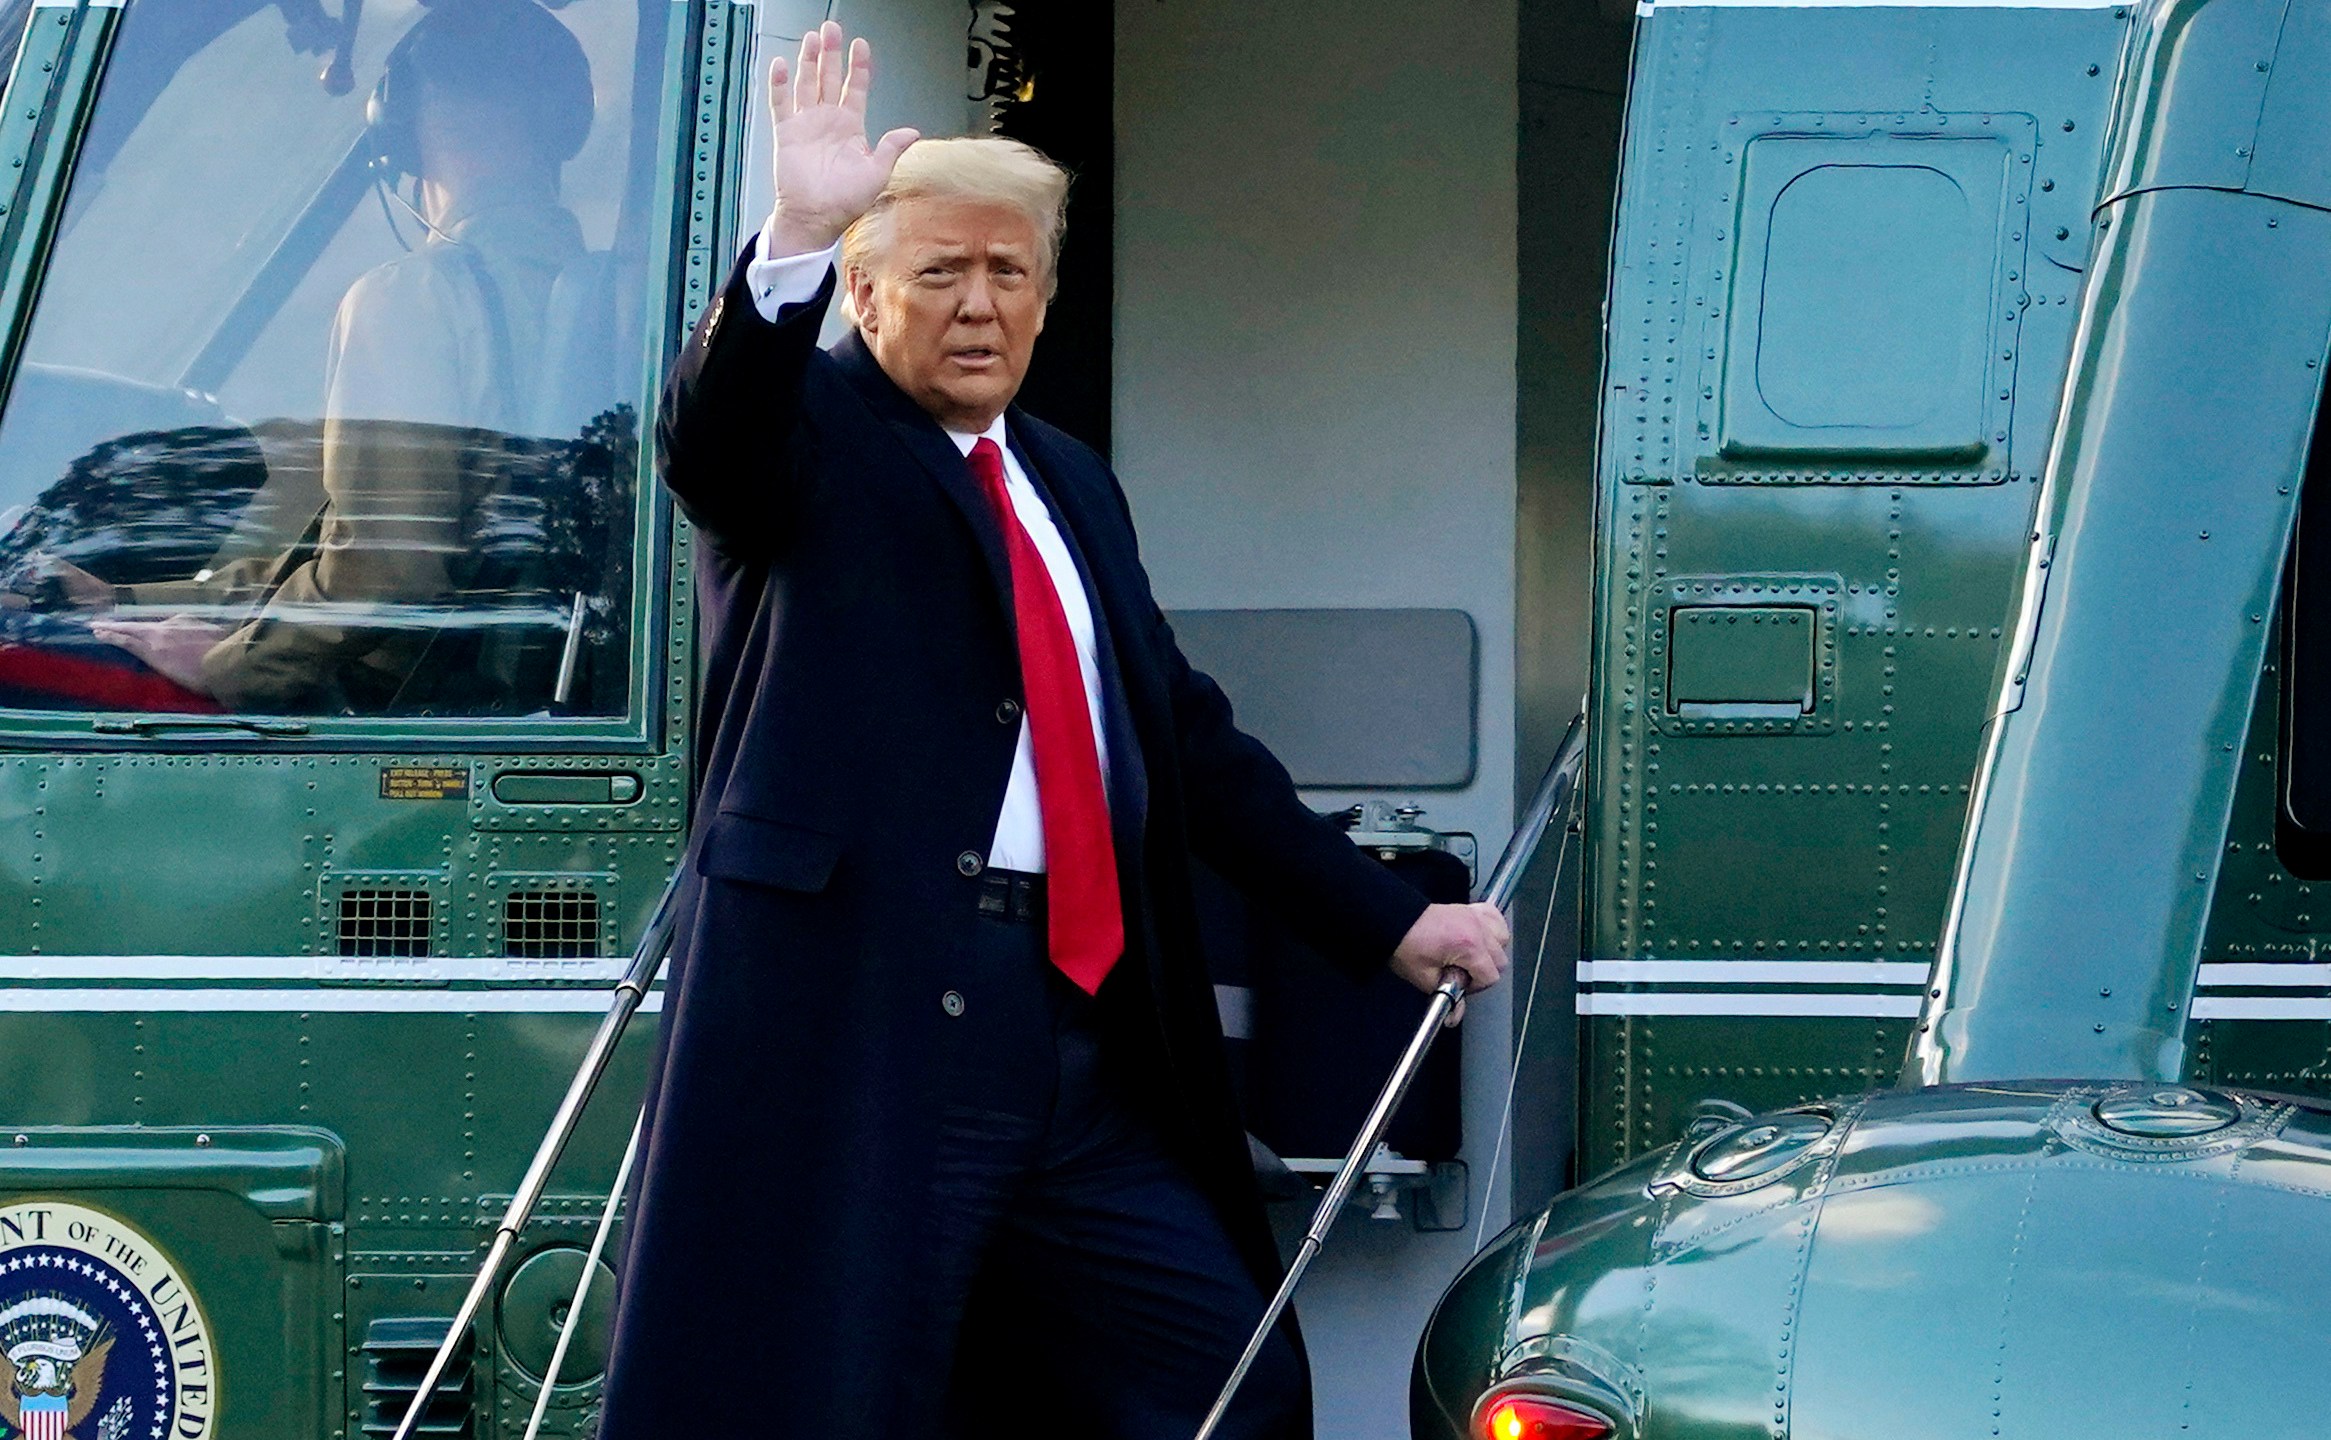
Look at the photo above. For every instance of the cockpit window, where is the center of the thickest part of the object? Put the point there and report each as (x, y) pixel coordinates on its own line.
(14, 15)
(2303, 818)
(327, 407)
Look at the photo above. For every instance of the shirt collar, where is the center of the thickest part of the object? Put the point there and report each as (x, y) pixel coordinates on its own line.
(964, 439)
(544, 232)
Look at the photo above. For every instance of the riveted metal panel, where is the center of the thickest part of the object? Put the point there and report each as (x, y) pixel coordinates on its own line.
(2197, 80)
(2101, 826)
(245, 1218)
(1749, 657)
(2293, 159)
(1992, 1217)
(1869, 318)
(661, 803)
(1826, 840)
(1685, 218)
(1743, 655)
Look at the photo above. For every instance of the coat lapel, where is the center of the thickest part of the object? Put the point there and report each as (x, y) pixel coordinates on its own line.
(924, 440)
(1090, 539)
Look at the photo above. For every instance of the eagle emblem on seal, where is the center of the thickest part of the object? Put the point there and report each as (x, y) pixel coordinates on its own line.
(101, 1336)
(56, 1353)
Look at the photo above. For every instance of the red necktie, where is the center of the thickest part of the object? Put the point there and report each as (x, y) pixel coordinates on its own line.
(1086, 921)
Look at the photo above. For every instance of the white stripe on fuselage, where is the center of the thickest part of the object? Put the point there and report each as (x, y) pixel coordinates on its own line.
(332, 984)
(431, 969)
(2261, 1007)
(1646, 7)
(330, 999)
(1751, 1003)
(2289, 974)
(1752, 972)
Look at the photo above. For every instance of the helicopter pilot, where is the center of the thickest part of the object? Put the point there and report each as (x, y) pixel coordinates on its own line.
(432, 355)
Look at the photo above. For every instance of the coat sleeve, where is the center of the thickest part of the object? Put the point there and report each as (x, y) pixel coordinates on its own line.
(1247, 822)
(730, 437)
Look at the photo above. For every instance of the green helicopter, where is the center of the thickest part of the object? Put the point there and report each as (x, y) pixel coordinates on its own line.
(1956, 723)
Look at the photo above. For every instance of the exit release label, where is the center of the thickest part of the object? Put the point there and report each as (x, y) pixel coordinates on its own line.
(424, 782)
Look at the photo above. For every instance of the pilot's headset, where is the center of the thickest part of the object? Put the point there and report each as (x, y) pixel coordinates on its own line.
(513, 51)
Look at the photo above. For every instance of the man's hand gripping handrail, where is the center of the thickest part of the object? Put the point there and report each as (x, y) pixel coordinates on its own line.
(1553, 796)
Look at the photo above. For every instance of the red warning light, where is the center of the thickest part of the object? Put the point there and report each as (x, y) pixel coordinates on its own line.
(1533, 1417)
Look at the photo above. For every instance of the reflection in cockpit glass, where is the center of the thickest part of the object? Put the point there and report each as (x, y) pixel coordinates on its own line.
(327, 403)
(13, 16)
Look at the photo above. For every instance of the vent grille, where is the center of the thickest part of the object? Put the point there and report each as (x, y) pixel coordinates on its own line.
(396, 1355)
(551, 925)
(384, 922)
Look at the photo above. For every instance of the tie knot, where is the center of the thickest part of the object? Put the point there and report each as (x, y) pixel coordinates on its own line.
(987, 466)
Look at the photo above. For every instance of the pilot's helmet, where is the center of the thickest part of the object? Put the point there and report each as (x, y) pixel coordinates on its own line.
(512, 55)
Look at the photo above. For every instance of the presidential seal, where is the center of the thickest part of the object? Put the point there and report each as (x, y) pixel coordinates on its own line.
(100, 1336)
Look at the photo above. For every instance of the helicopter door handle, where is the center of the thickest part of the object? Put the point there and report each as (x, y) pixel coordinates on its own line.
(149, 725)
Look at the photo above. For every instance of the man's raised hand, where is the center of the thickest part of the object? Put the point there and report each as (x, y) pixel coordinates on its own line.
(826, 173)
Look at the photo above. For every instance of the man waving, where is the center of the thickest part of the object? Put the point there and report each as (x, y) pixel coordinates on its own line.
(940, 1137)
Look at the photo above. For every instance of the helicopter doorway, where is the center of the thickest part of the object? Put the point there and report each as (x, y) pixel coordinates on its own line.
(2302, 838)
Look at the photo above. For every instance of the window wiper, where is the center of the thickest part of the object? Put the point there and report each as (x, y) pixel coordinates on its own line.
(164, 725)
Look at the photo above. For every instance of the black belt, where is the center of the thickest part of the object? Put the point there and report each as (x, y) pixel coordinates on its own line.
(1011, 894)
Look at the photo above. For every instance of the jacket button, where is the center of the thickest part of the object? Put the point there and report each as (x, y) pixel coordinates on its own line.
(969, 862)
(951, 1002)
(1007, 712)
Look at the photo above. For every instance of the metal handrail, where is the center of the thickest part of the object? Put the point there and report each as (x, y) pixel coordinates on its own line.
(1553, 795)
(574, 1320)
(1551, 798)
(654, 943)
(1506, 876)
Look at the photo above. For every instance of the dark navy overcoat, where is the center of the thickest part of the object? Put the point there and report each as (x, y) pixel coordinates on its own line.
(859, 716)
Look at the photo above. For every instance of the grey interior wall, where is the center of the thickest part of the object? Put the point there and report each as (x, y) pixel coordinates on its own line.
(1314, 406)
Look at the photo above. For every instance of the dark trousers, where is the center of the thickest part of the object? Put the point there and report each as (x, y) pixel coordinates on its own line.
(1081, 1285)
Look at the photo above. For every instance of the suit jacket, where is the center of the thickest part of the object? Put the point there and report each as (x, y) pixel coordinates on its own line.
(856, 745)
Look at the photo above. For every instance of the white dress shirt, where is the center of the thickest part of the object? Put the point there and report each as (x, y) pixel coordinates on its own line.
(1019, 838)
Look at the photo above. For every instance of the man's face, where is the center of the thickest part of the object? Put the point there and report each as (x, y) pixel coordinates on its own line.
(951, 307)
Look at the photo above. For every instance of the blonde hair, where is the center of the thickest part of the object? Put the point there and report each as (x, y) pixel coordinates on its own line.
(982, 169)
